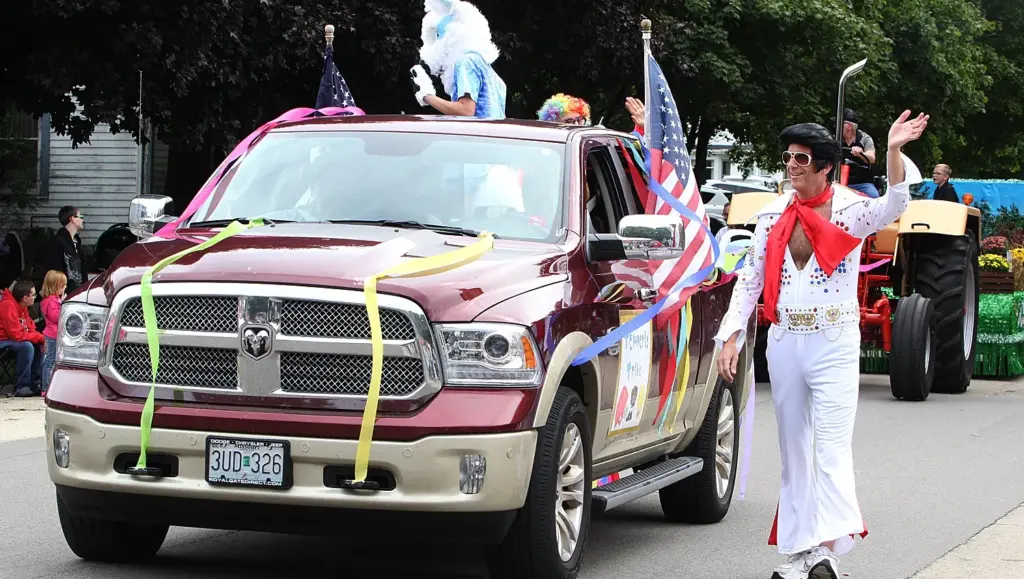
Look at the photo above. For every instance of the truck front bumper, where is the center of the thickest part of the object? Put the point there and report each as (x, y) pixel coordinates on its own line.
(425, 474)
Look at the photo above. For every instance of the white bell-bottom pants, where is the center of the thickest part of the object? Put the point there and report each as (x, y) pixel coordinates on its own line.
(815, 381)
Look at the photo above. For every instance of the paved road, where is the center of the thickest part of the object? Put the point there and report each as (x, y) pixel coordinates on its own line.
(931, 476)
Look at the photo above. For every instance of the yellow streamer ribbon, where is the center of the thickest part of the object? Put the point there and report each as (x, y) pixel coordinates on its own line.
(423, 266)
(684, 376)
(152, 332)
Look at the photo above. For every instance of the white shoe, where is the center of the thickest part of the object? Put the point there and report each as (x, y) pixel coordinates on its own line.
(796, 567)
(824, 564)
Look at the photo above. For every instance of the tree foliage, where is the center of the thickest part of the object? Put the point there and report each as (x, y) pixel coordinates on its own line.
(213, 71)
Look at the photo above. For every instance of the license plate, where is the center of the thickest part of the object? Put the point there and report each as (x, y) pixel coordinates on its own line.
(246, 462)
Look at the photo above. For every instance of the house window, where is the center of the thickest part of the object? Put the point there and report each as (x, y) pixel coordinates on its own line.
(709, 170)
(16, 126)
(726, 169)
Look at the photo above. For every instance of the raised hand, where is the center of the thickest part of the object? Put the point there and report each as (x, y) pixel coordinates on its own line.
(904, 131)
(424, 85)
(636, 110)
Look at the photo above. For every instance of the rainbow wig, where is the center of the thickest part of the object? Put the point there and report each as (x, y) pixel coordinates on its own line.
(560, 105)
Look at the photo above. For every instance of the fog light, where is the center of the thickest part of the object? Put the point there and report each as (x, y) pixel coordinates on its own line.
(472, 468)
(61, 447)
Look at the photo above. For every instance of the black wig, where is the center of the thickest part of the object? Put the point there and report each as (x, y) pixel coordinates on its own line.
(825, 150)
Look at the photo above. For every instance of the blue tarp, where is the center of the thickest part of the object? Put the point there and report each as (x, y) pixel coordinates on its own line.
(996, 193)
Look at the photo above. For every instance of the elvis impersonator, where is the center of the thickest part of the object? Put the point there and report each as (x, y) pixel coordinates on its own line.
(805, 257)
(457, 47)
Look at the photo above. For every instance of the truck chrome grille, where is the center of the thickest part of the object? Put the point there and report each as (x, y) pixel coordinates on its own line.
(186, 313)
(271, 344)
(332, 374)
(179, 365)
(334, 320)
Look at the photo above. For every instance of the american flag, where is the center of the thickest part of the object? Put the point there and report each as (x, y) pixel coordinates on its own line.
(671, 167)
(333, 89)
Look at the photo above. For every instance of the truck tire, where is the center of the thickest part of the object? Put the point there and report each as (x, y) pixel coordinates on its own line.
(705, 497)
(946, 271)
(912, 362)
(109, 541)
(539, 544)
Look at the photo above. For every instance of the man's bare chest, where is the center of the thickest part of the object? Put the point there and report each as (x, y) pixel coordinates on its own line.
(799, 244)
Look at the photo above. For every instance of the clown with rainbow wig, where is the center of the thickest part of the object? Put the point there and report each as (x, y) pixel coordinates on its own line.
(563, 108)
(457, 48)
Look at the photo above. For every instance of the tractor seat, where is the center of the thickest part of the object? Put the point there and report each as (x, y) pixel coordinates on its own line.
(885, 240)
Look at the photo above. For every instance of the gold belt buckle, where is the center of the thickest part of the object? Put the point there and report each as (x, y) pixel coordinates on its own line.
(798, 320)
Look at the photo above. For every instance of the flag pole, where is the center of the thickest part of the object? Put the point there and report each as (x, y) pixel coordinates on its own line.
(645, 29)
(329, 35)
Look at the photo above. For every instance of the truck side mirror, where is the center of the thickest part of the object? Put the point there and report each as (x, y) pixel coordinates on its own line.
(148, 213)
(647, 237)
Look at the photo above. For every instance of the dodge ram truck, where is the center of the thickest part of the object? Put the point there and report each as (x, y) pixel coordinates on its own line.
(490, 431)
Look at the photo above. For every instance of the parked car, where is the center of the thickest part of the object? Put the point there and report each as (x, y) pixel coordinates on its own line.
(487, 432)
(718, 193)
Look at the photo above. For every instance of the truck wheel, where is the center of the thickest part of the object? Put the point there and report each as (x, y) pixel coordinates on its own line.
(109, 541)
(946, 271)
(706, 496)
(549, 534)
(912, 362)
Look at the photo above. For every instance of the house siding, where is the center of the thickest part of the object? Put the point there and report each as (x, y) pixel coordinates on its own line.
(97, 177)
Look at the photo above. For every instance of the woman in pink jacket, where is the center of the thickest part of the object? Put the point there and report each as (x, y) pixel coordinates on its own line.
(54, 285)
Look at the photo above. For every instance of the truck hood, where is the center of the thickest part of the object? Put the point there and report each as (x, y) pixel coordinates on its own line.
(336, 256)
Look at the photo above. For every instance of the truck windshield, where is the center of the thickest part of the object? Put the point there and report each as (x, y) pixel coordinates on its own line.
(512, 188)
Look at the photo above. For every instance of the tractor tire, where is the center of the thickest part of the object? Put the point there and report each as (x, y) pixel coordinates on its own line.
(946, 271)
(912, 362)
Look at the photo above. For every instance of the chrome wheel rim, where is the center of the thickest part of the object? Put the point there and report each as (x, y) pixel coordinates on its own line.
(569, 496)
(725, 444)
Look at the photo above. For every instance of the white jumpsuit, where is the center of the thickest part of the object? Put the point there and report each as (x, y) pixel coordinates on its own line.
(814, 365)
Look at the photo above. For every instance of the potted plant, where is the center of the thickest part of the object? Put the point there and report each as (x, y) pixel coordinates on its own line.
(996, 277)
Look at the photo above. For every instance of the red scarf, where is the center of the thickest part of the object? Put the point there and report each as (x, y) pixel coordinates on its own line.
(830, 244)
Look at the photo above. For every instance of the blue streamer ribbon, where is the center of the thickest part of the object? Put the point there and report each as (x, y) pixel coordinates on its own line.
(620, 333)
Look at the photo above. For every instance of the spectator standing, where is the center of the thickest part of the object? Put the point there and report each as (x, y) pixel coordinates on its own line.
(18, 333)
(54, 286)
(944, 190)
(66, 255)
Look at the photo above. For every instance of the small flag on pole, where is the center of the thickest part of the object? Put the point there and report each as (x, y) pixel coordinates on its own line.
(333, 89)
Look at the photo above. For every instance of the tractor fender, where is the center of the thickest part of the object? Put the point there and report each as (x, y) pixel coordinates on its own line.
(940, 217)
(565, 352)
(744, 206)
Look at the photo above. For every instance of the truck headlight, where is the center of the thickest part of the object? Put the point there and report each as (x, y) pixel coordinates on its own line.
(488, 355)
(80, 334)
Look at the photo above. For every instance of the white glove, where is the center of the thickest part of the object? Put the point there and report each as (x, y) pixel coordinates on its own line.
(424, 85)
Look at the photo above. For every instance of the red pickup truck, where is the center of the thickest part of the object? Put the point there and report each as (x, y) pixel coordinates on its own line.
(487, 432)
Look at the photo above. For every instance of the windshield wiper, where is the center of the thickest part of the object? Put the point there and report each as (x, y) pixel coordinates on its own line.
(223, 222)
(446, 229)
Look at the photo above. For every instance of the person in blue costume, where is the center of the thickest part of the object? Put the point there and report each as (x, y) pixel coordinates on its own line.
(457, 48)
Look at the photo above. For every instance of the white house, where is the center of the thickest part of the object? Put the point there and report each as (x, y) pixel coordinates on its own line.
(100, 177)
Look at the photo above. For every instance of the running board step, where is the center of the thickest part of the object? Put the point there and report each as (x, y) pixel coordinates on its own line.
(643, 483)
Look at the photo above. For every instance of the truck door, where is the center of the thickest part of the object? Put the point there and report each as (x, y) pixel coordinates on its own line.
(629, 391)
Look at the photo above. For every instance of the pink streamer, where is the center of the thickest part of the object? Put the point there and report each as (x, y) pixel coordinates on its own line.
(168, 231)
(870, 266)
(747, 431)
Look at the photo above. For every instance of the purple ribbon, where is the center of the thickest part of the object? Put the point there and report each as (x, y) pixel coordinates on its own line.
(870, 266)
(747, 432)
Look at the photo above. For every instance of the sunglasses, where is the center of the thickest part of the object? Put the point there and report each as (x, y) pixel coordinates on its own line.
(802, 159)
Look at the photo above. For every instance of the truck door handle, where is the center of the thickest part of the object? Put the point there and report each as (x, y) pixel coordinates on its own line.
(647, 294)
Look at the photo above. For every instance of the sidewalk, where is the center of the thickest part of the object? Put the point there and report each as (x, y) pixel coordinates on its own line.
(997, 551)
(21, 418)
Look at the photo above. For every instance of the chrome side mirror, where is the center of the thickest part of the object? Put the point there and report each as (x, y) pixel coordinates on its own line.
(652, 237)
(148, 213)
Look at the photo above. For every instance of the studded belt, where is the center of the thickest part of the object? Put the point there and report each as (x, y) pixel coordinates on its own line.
(810, 319)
